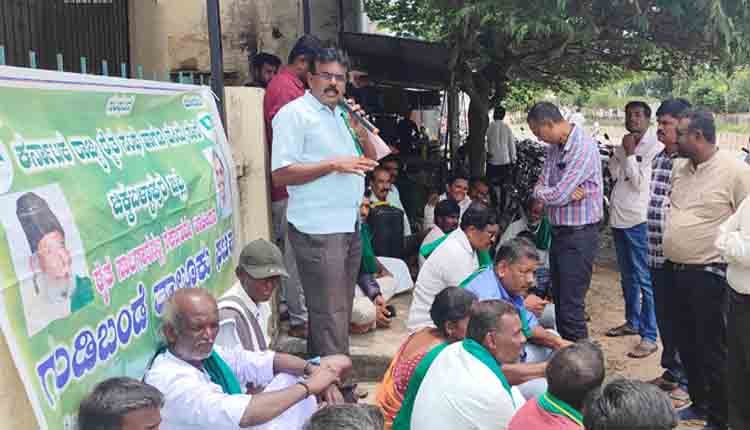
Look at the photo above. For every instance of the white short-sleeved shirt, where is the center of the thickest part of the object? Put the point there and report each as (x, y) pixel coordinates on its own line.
(461, 392)
(193, 402)
(429, 210)
(305, 131)
(447, 266)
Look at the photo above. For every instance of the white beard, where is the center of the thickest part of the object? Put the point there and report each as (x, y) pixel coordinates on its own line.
(53, 290)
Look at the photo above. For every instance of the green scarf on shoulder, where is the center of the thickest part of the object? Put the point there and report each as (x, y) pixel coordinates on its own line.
(369, 261)
(555, 406)
(403, 418)
(543, 236)
(218, 371)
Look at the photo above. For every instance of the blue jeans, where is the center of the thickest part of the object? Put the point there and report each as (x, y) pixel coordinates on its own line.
(632, 248)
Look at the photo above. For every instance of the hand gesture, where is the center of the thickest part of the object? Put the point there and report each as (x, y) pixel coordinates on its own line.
(383, 316)
(321, 379)
(356, 165)
(629, 142)
(535, 304)
(332, 396)
(578, 194)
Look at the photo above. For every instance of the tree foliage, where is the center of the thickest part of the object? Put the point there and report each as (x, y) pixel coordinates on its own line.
(496, 45)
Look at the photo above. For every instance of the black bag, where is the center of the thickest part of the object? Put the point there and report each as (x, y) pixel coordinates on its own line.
(387, 226)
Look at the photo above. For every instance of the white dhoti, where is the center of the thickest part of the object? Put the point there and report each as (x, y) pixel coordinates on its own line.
(364, 311)
(295, 417)
(400, 271)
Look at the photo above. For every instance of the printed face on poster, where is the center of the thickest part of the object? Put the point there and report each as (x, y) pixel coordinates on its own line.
(113, 195)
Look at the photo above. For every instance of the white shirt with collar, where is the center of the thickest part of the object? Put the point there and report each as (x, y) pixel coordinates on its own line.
(429, 211)
(228, 336)
(631, 192)
(447, 266)
(501, 145)
(193, 402)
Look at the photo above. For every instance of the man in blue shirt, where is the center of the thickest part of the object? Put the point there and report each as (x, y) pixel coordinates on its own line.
(509, 280)
(322, 154)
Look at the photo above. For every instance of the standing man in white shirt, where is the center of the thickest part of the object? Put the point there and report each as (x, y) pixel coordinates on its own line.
(631, 167)
(501, 151)
(454, 260)
(204, 384)
(734, 245)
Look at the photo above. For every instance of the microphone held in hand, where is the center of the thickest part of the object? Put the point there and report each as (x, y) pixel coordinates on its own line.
(362, 120)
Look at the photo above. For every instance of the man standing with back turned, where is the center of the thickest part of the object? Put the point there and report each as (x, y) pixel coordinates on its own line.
(322, 154)
(571, 188)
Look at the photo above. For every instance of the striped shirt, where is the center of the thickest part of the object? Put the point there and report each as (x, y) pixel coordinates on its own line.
(661, 184)
(567, 167)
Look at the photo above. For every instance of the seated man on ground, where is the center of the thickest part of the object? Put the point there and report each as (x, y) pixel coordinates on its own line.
(479, 191)
(203, 384)
(244, 310)
(573, 373)
(626, 404)
(510, 280)
(376, 285)
(458, 186)
(452, 261)
(447, 213)
(535, 225)
(381, 185)
(450, 313)
(346, 417)
(466, 385)
(121, 404)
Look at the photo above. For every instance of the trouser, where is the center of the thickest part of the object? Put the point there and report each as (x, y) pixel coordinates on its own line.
(739, 360)
(499, 176)
(328, 266)
(364, 311)
(291, 287)
(571, 263)
(632, 249)
(666, 318)
(700, 300)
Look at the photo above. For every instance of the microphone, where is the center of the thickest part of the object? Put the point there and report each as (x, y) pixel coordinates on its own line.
(362, 120)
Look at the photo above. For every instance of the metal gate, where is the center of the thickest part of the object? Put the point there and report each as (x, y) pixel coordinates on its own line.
(96, 30)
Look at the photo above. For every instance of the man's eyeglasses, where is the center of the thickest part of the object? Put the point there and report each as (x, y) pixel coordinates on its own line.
(331, 77)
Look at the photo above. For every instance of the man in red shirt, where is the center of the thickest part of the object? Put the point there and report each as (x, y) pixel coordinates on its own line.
(286, 86)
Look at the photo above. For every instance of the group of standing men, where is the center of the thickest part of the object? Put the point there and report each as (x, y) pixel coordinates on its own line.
(673, 191)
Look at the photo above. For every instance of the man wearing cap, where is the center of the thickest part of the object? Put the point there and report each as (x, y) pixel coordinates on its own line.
(53, 291)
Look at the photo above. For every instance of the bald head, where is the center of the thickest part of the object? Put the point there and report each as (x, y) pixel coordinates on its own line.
(191, 323)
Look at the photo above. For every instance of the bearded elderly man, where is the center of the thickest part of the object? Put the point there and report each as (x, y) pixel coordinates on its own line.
(202, 383)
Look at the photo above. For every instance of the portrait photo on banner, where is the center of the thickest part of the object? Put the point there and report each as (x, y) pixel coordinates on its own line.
(47, 254)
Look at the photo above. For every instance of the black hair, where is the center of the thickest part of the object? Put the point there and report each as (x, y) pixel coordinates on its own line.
(329, 55)
(640, 104)
(455, 176)
(346, 417)
(390, 157)
(703, 121)
(307, 46)
(574, 372)
(451, 304)
(627, 404)
(111, 399)
(673, 107)
(544, 112)
(262, 58)
(478, 215)
(447, 207)
(515, 249)
(499, 113)
(478, 180)
(486, 317)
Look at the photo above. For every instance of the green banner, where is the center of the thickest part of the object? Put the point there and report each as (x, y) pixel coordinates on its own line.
(111, 198)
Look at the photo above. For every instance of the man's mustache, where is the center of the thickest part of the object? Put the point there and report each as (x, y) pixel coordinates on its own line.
(334, 89)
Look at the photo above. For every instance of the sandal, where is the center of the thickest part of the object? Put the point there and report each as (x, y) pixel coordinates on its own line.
(680, 399)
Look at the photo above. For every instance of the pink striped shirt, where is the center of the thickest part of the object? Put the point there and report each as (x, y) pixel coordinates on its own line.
(566, 167)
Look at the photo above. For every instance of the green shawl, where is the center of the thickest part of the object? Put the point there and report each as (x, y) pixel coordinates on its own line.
(543, 235)
(425, 250)
(369, 262)
(219, 372)
(555, 406)
(403, 419)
